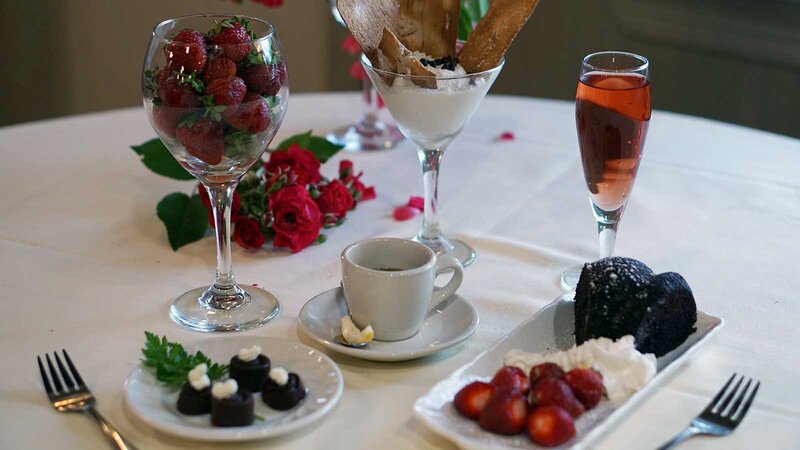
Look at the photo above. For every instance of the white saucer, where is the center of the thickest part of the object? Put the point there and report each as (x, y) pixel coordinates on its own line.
(452, 322)
(156, 406)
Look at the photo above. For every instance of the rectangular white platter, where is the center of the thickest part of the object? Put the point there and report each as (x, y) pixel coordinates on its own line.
(549, 330)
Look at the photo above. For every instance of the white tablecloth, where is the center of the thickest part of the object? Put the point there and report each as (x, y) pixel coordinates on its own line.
(86, 266)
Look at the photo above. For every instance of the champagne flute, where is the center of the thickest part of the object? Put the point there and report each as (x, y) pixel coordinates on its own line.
(612, 113)
(216, 107)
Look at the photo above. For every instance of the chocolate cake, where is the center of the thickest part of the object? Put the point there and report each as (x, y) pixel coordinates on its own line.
(619, 296)
(249, 374)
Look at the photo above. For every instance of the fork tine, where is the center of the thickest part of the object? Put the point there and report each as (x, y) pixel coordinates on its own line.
(75, 373)
(64, 375)
(740, 414)
(739, 399)
(54, 374)
(730, 396)
(46, 382)
(719, 394)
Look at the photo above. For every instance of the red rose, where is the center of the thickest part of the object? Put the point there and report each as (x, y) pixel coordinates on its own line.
(353, 181)
(297, 218)
(345, 168)
(350, 45)
(270, 3)
(357, 71)
(247, 233)
(335, 198)
(298, 160)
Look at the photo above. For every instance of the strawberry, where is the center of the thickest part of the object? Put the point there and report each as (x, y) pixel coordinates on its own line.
(545, 370)
(227, 91)
(555, 391)
(550, 426)
(221, 67)
(505, 413)
(510, 377)
(251, 116)
(472, 398)
(166, 118)
(186, 52)
(203, 140)
(587, 385)
(265, 79)
(174, 93)
(233, 39)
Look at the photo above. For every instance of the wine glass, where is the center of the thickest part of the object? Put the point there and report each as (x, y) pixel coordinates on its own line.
(215, 90)
(369, 132)
(612, 112)
(431, 111)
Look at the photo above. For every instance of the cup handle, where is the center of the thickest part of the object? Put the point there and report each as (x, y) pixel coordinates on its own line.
(446, 264)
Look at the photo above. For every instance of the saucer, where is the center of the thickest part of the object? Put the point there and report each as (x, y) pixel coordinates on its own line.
(453, 321)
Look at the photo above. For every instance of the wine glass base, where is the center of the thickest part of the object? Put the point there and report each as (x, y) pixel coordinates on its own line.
(258, 308)
(459, 250)
(569, 278)
(384, 137)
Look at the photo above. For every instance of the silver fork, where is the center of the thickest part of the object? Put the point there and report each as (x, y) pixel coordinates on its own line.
(74, 396)
(720, 417)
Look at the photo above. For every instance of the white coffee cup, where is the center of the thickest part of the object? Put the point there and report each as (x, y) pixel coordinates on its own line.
(389, 284)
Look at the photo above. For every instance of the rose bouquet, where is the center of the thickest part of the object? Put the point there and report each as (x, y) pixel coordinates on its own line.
(285, 200)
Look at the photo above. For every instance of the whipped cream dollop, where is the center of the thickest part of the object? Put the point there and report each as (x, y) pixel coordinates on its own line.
(625, 371)
(198, 377)
(279, 375)
(249, 353)
(224, 389)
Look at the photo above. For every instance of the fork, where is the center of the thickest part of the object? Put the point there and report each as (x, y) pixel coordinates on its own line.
(720, 418)
(74, 396)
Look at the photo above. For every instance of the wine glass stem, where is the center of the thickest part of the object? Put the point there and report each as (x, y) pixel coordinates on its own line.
(607, 233)
(430, 159)
(221, 196)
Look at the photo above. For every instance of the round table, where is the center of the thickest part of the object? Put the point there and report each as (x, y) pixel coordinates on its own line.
(86, 265)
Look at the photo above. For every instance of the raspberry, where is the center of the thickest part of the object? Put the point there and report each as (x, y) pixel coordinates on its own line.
(233, 40)
(265, 79)
(203, 140)
(219, 68)
(227, 91)
(186, 52)
(251, 116)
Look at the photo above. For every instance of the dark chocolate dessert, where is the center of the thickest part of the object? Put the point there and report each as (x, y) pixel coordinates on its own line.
(249, 374)
(618, 296)
(193, 402)
(235, 410)
(283, 397)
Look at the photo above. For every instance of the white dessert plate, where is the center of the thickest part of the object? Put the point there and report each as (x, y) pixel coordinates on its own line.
(550, 329)
(156, 406)
(453, 321)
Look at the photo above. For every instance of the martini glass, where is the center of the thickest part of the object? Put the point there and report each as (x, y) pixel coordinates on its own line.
(612, 113)
(369, 132)
(431, 111)
(216, 142)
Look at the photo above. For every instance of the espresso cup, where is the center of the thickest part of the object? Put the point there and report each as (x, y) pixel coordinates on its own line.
(388, 283)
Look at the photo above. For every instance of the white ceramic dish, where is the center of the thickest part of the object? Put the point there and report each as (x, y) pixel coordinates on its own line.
(157, 407)
(453, 321)
(550, 329)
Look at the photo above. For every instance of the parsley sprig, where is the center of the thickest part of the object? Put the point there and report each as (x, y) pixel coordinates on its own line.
(171, 362)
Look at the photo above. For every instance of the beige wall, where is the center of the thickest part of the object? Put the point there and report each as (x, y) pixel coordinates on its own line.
(733, 60)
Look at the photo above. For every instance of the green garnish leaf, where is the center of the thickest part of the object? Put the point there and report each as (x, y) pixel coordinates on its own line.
(185, 218)
(171, 362)
(157, 158)
(322, 148)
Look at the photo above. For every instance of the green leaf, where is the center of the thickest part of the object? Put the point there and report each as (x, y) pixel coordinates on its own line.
(464, 23)
(238, 144)
(185, 217)
(171, 363)
(303, 140)
(323, 149)
(157, 158)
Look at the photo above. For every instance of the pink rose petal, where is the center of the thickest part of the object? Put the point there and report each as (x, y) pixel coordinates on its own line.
(506, 136)
(416, 202)
(404, 213)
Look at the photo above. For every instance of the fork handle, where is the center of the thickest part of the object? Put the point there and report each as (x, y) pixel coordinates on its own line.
(680, 437)
(111, 433)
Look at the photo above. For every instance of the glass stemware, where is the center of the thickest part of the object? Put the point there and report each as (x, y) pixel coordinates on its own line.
(431, 111)
(612, 113)
(369, 132)
(216, 107)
